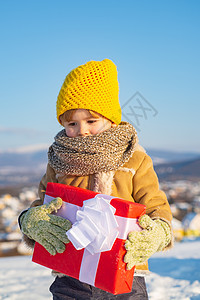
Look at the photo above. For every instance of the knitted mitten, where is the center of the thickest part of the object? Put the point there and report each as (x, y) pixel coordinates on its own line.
(46, 229)
(155, 236)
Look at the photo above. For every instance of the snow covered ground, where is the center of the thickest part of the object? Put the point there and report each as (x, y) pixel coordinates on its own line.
(176, 273)
(175, 276)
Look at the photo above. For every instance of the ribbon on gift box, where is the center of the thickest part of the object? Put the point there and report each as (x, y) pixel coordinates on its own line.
(96, 228)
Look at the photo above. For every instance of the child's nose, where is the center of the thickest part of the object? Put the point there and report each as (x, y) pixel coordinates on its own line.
(83, 130)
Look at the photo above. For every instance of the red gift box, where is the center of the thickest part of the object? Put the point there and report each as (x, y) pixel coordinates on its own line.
(105, 270)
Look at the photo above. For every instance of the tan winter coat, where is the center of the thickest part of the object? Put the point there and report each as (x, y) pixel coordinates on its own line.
(135, 181)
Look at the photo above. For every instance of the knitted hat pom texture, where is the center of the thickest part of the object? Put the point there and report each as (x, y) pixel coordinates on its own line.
(92, 86)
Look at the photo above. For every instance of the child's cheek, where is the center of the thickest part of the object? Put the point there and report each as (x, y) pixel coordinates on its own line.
(70, 132)
(97, 129)
(94, 131)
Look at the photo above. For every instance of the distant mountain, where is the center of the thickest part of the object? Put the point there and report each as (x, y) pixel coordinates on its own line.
(22, 168)
(25, 160)
(38, 153)
(189, 169)
(26, 166)
(162, 156)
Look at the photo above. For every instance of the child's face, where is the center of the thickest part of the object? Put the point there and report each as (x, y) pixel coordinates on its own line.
(83, 124)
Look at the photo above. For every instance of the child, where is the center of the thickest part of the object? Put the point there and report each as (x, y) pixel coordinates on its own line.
(97, 151)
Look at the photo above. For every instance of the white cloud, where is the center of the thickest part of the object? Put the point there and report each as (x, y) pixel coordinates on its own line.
(26, 149)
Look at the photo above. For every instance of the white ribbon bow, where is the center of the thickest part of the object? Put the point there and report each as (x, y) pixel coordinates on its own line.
(96, 228)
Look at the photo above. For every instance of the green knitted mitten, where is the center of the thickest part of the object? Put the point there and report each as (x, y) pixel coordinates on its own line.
(48, 230)
(154, 237)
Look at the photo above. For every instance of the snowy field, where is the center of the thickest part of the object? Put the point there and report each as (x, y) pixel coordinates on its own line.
(175, 275)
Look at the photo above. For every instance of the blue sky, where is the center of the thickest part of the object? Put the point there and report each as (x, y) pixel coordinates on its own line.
(155, 45)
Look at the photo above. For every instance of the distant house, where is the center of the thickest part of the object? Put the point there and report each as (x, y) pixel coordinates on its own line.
(191, 224)
(177, 229)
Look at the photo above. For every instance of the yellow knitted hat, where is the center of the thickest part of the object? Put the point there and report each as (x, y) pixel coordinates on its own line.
(92, 86)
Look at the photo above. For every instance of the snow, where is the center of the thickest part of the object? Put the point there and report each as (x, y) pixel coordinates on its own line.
(176, 224)
(175, 273)
(20, 279)
(175, 276)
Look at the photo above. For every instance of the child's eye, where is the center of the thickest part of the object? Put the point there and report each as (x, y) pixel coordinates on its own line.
(72, 124)
(91, 121)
